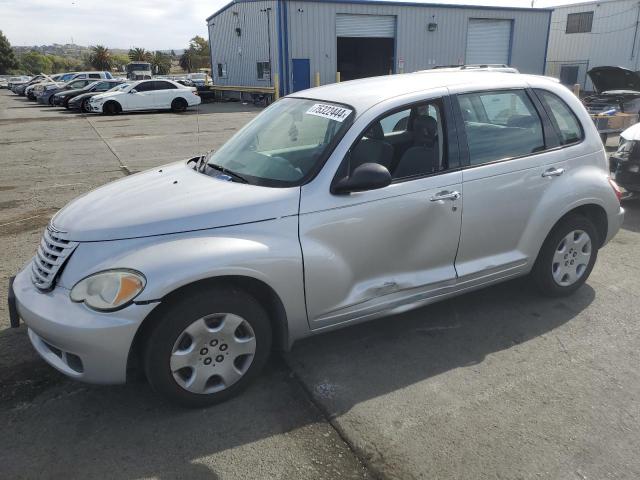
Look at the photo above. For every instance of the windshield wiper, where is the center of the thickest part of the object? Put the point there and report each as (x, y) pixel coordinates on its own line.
(226, 171)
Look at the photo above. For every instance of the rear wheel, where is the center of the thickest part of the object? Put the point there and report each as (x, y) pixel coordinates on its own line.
(179, 105)
(567, 257)
(111, 108)
(207, 346)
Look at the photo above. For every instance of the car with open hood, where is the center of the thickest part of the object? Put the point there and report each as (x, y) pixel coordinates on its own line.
(335, 205)
(625, 162)
(616, 103)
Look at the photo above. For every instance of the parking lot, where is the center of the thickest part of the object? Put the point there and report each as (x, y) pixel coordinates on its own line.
(500, 383)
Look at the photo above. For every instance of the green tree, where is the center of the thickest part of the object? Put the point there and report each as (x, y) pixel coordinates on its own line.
(34, 63)
(8, 59)
(187, 60)
(161, 63)
(120, 60)
(139, 55)
(100, 58)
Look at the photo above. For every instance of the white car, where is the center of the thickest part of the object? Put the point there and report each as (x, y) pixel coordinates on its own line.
(146, 95)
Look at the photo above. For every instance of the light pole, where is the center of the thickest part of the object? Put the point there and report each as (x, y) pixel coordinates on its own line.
(268, 12)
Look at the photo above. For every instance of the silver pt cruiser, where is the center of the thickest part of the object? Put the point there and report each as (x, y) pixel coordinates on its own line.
(334, 206)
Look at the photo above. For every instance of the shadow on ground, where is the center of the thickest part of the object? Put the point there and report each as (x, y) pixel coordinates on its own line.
(65, 428)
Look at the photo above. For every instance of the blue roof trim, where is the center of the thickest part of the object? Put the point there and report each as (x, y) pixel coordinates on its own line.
(401, 4)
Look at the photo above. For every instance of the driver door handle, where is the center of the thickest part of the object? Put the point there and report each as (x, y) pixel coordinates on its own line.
(553, 172)
(446, 196)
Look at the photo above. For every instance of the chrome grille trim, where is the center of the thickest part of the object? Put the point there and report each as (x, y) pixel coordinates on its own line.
(53, 251)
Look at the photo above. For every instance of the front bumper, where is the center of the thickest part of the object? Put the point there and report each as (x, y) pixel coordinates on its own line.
(95, 108)
(79, 342)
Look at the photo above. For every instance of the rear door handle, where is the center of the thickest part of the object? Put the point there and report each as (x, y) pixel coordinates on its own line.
(553, 172)
(445, 196)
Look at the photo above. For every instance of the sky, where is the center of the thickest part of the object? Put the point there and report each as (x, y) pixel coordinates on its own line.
(150, 24)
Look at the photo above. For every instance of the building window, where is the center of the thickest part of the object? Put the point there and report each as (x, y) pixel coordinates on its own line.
(222, 70)
(264, 71)
(579, 22)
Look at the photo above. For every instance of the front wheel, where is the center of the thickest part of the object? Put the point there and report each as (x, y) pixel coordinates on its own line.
(84, 106)
(111, 108)
(207, 346)
(179, 105)
(567, 257)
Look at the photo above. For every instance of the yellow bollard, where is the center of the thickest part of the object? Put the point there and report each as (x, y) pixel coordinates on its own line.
(317, 80)
(276, 86)
(337, 77)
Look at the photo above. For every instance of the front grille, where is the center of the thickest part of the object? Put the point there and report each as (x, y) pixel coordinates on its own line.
(53, 251)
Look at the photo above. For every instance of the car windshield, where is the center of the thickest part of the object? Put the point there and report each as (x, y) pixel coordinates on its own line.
(283, 144)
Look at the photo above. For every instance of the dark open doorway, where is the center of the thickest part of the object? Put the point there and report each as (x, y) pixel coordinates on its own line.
(360, 57)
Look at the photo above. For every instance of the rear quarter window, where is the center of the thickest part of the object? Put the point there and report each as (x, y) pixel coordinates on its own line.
(564, 120)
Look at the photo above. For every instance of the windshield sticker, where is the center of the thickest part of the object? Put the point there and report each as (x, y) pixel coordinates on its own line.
(332, 112)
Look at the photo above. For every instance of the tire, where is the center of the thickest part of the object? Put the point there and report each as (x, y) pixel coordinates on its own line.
(111, 108)
(562, 266)
(84, 106)
(51, 100)
(203, 325)
(179, 105)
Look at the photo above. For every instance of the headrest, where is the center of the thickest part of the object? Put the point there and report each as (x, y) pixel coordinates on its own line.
(425, 129)
(375, 131)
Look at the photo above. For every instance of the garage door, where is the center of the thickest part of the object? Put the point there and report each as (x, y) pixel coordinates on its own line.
(372, 26)
(488, 41)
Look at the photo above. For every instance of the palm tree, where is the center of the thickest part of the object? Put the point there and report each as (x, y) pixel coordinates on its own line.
(161, 63)
(186, 60)
(100, 58)
(139, 55)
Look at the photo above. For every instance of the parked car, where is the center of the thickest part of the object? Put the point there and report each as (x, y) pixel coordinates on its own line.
(625, 162)
(48, 86)
(4, 81)
(48, 96)
(15, 81)
(146, 95)
(81, 101)
(30, 90)
(616, 104)
(64, 95)
(334, 206)
(199, 79)
(19, 88)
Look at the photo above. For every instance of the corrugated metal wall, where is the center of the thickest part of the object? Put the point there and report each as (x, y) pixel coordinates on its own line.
(312, 35)
(610, 41)
(242, 53)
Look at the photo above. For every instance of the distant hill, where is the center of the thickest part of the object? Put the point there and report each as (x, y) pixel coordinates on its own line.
(71, 50)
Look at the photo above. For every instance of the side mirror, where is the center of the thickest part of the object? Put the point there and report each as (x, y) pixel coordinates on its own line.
(133, 90)
(368, 176)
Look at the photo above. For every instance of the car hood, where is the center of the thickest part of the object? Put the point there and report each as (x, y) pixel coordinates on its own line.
(82, 96)
(606, 79)
(170, 199)
(108, 94)
(75, 91)
(632, 133)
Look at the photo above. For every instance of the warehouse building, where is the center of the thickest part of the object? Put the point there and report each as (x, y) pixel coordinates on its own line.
(593, 34)
(301, 43)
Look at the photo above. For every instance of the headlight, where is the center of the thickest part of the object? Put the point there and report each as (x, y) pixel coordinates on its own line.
(109, 290)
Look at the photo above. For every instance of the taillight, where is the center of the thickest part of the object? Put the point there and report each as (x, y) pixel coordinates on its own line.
(616, 188)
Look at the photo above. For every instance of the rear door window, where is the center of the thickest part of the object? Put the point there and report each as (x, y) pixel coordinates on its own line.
(563, 118)
(145, 87)
(500, 125)
(162, 85)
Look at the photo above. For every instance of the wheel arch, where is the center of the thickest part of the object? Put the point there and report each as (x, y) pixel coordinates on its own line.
(264, 293)
(113, 102)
